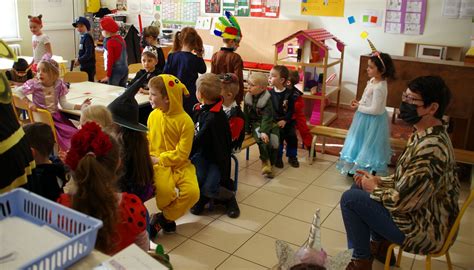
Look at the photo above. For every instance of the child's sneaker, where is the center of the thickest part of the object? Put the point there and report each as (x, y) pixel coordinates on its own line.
(279, 163)
(293, 162)
(233, 210)
(159, 222)
(198, 208)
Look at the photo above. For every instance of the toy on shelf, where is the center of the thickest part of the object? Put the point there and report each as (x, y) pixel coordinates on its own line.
(309, 52)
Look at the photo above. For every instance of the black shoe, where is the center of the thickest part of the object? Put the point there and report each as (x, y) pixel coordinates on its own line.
(293, 162)
(198, 208)
(350, 174)
(279, 163)
(233, 210)
(158, 222)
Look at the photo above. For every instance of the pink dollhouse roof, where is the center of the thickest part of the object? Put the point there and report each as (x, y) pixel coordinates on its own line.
(317, 36)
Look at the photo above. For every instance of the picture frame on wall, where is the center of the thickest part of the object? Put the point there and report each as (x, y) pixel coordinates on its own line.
(212, 6)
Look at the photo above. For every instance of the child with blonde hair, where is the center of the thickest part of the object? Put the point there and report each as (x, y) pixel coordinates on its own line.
(151, 43)
(49, 91)
(94, 158)
(186, 62)
(258, 110)
(99, 114)
(212, 147)
(41, 43)
(170, 134)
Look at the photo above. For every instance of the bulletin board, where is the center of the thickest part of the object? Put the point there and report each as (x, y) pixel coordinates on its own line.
(259, 35)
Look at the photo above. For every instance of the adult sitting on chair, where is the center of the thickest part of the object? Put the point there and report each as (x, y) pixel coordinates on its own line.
(417, 205)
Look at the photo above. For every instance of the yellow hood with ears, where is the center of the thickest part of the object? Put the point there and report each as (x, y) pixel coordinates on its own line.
(175, 89)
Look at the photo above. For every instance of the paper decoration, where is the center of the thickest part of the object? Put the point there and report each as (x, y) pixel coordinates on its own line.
(458, 8)
(268, 8)
(364, 34)
(371, 18)
(405, 16)
(236, 7)
(208, 52)
(204, 23)
(322, 8)
(177, 13)
(212, 6)
(351, 19)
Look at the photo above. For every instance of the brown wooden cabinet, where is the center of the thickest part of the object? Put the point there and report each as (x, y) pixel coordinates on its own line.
(459, 77)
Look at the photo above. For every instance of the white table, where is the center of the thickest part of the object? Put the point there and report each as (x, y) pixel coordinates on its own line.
(101, 94)
(8, 63)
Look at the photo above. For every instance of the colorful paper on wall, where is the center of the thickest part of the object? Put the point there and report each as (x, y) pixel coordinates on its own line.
(371, 18)
(405, 17)
(178, 13)
(351, 19)
(322, 7)
(458, 8)
(212, 6)
(237, 7)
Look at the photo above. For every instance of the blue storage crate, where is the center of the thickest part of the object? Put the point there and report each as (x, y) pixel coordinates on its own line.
(82, 229)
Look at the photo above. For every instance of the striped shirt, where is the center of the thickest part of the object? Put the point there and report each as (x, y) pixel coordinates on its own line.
(422, 196)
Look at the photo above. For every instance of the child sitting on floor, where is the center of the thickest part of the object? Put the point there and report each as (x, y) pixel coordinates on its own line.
(212, 147)
(48, 178)
(94, 159)
(171, 133)
(230, 89)
(49, 91)
(258, 111)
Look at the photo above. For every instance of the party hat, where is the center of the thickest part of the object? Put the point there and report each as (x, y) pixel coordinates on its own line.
(374, 50)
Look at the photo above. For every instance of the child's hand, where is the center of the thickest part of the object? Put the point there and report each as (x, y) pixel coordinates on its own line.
(354, 104)
(32, 106)
(264, 137)
(366, 181)
(143, 91)
(154, 160)
(281, 123)
(104, 80)
(76, 63)
(86, 103)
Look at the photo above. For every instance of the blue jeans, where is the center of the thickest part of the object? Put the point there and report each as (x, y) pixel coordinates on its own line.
(119, 75)
(208, 175)
(363, 217)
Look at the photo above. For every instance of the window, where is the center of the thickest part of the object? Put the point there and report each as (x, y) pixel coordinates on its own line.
(9, 20)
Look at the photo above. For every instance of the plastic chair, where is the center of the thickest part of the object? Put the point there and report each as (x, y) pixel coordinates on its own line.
(22, 105)
(44, 116)
(134, 68)
(447, 244)
(75, 77)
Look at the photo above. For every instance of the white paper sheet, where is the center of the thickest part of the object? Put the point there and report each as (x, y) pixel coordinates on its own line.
(131, 257)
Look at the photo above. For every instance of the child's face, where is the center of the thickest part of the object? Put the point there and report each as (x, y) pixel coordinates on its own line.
(105, 34)
(44, 77)
(149, 63)
(157, 101)
(227, 96)
(81, 28)
(35, 28)
(150, 40)
(372, 70)
(255, 89)
(275, 79)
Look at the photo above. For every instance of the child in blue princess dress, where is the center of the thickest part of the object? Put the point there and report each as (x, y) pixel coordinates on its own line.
(367, 146)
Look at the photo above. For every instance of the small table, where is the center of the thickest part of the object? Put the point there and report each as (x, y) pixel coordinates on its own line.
(101, 94)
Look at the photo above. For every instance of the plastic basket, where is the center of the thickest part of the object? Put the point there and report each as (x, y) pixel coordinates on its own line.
(82, 229)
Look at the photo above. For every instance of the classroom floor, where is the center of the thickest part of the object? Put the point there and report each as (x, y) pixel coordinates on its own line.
(282, 208)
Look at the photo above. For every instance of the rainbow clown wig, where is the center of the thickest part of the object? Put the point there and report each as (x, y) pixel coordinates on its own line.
(228, 28)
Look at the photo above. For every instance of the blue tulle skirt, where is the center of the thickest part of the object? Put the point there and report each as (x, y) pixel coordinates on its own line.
(367, 145)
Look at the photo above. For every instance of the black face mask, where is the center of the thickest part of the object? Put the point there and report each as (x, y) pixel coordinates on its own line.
(409, 114)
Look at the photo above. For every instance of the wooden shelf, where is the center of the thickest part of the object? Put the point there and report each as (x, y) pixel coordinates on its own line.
(330, 89)
(328, 118)
(453, 53)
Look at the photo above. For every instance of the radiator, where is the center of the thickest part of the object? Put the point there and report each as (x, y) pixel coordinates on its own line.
(16, 48)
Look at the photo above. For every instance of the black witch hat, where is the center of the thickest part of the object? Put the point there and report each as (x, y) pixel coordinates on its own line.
(124, 109)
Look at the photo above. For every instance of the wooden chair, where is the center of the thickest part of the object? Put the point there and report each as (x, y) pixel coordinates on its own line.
(447, 244)
(75, 77)
(18, 103)
(44, 116)
(134, 68)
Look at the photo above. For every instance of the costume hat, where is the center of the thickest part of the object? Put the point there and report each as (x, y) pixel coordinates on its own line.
(227, 27)
(124, 109)
(84, 21)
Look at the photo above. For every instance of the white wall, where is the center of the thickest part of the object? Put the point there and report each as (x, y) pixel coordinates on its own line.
(438, 30)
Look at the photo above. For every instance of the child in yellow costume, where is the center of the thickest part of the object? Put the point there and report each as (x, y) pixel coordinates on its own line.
(171, 134)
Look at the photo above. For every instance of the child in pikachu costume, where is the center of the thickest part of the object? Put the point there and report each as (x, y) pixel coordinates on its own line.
(171, 134)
